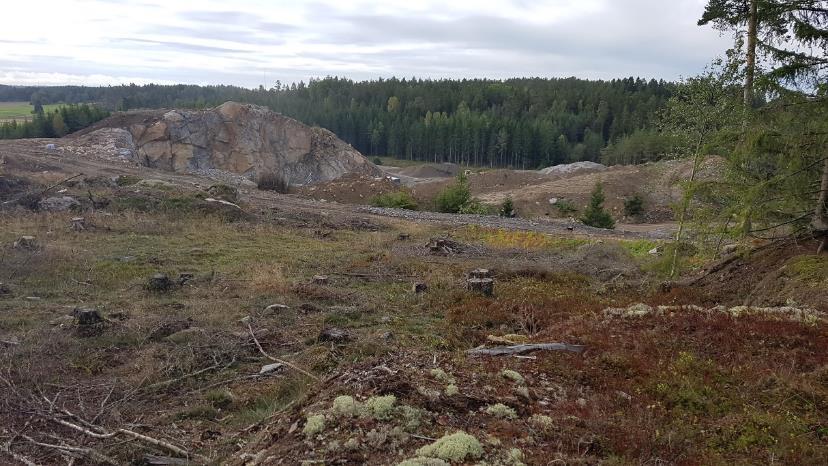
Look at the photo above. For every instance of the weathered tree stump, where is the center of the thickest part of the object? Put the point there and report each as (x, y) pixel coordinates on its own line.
(333, 334)
(320, 280)
(403, 237)
(185, 277)
(26, 242)
(159, 283)
(419, 287)
(78, 224)
(480, 273)
(481, 285)
(443, 246)
(86, 317)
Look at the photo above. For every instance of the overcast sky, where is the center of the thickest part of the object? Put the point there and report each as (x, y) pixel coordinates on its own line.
(253, 42)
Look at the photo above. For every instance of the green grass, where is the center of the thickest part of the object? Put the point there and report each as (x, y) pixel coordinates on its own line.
(21, 110)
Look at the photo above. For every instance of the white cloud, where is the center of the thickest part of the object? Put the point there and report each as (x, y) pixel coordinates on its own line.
(254, 42)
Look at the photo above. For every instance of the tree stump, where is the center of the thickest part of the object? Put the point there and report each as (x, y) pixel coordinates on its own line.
(419, 287)
(481, 285)
(403, 236)
(185, 277)
(78, 224)
(320, 280)
(26, 242)
(333, 334)
(480, 273)
(159, 283)
(86, 317)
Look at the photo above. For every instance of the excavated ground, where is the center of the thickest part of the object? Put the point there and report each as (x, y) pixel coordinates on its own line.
(292, 330)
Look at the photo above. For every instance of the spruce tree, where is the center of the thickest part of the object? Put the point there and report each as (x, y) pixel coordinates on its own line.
(595, 215)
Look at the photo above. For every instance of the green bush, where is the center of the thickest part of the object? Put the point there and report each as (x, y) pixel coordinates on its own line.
(475, 207)
(595, 215)
(507, 209)
(565, 207)
(453, 198)
(634, 206)
(377, 161)
(396, 200)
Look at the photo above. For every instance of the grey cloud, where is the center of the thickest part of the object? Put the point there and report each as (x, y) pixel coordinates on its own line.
(177, 46)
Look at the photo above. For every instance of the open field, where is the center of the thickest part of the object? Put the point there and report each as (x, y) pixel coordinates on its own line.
(21, 110)
(372, 371)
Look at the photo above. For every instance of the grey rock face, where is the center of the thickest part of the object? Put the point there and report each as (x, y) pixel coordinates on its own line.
(59, 203)
(245, 139)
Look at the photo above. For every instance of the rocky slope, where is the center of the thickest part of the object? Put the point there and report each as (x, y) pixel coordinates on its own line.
(239, 138)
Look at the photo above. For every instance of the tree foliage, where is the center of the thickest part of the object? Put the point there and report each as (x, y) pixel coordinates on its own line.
(522, 123)
(56, 123)
(595, 215)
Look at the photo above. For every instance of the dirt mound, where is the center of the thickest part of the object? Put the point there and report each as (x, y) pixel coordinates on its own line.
(443, 170)
(571, 168)
(349, 189)
(775, 274)
(238, 138)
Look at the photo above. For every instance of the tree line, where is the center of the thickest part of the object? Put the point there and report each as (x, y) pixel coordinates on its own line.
(55, 123)
(519, 123)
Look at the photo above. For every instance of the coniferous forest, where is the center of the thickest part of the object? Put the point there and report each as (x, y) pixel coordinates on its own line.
(518, 123)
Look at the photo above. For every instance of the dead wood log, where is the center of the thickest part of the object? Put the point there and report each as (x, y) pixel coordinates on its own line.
(525, 348)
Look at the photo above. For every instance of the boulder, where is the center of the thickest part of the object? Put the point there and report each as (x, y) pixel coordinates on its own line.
(59, 203)
(245, 139)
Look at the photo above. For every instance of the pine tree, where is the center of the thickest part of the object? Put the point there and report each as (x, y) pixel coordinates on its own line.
(595, 215)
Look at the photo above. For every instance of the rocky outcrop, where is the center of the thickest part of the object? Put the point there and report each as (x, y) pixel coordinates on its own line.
(244, 139)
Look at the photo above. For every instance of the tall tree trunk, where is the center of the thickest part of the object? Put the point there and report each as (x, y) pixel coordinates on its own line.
(750, 65)
(820, 223)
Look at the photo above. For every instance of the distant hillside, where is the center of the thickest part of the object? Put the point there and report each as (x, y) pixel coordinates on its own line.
(522, 123)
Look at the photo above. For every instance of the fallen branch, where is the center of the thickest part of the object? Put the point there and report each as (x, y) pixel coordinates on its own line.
(106, 435)
(264, 353)
(526, 348)
(6, 447)
(98, 457)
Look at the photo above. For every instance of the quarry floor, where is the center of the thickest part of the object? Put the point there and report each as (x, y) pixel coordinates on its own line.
(180, 368)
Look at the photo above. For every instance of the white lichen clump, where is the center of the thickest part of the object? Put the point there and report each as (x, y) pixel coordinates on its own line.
(455, 447)
(345, 406)
(516, 457)
(513, 376)
(452, 390)
(541, 421)
(502, 411)
(441, 376)
(379, 407)
(420, 461)
(314, 425)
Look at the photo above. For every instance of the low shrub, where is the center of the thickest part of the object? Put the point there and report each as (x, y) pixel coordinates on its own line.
(452, 199)
(595, 215)
(565, 207)
(395, 200)
(271, 181)
(634, 206)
